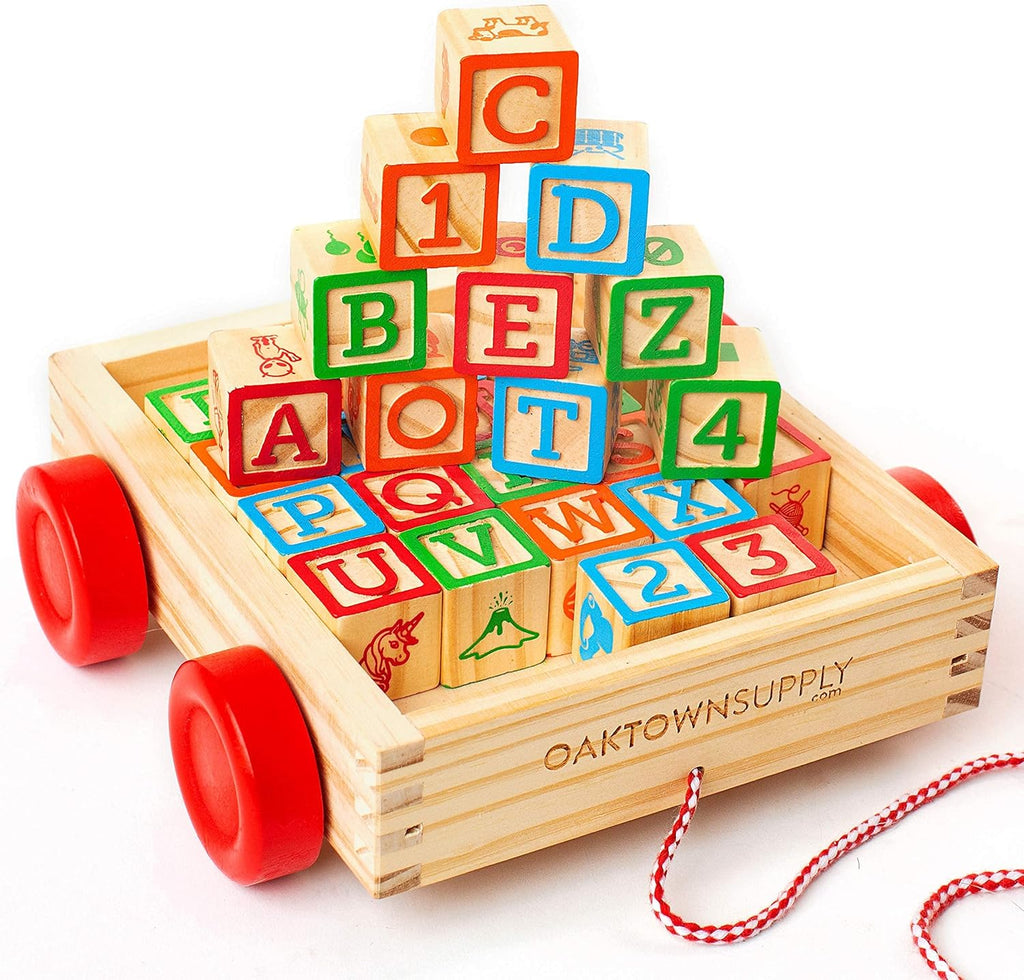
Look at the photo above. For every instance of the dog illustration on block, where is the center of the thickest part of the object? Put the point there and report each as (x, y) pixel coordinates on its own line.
(496, 27)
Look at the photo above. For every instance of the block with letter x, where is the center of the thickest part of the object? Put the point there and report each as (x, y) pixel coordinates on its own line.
(675, 509)
(762, 562)
(632, 595)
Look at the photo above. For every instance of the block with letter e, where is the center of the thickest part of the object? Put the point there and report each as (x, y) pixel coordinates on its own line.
(505, 84)
(589, 214)
(420, 205)
(762, 562)
(423, 418)
(354, 317)
(720, 427)
(495, 601)
(666, 321)
(382, 604)
(568, 524)
(558, 430)
(509, 320)
(272, 419)
(632, 595)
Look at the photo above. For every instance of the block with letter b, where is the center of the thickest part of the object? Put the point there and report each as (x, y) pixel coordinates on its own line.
(762, 562)
(505, 84)
(354, 317)
(632, 595)
(272, 419)
(509, 320)
(666, 321)
(558, 430)
(589, 214)
(383, 605)
(425, 418)
(420, 205)
(495, 603)
(721, 427)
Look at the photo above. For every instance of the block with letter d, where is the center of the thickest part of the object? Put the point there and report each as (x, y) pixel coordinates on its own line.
(426, 417)
(632, 595)
(420, 205)
(505, 84)
(383, 605)
(589, 214)
(509, 320)
(720, 427)
(558, 430)
(495, 603)
(666, 321)
(272, 419)
(354, 317)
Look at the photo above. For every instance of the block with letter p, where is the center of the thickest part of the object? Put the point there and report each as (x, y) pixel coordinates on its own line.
(589, 214)
(272, 419)
(505, 84)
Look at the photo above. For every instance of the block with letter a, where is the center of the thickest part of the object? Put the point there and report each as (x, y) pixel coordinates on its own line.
(272, 419)
(762, 562)
(505, 84)
(420, 205)
(383, 605)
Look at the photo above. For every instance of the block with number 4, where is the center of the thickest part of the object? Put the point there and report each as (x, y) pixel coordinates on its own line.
(719, 427)
(633, 595)
(763, 562)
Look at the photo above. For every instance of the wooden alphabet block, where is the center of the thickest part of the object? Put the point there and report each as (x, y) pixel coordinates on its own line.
(666, 321)
(676, 509)
(566, 525)
(420, 206)
(509, 320)
(306, 516)
(633, 450)
(421, 418)
(495, 603)
(382, 604)
(762, 562)
(354, 317)
(182, 413)
(632, 595)
(797, 488)
(501, 487)
(589, 214)
(505, 84)
(272, 418)
(557, 429)
(205, 458)
(409, 498)
(721, 427)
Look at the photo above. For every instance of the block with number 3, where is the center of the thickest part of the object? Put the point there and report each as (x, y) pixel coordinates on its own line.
(763, 562)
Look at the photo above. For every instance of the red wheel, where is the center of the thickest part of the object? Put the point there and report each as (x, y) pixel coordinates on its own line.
(929, 491)
(245, 765)
(82, 561)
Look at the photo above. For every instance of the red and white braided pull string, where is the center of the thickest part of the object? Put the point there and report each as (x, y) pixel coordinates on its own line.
(735, 932)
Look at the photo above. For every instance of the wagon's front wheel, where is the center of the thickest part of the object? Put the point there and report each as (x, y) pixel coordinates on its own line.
(929, 491)
(246, 766)
(82, 560)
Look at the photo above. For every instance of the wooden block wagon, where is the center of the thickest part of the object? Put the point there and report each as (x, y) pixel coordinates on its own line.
(444, 782)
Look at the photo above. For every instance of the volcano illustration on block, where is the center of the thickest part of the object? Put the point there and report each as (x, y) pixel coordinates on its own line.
(501, 633)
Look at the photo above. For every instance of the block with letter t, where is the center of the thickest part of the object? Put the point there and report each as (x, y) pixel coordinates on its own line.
(557, 430)
(589, 214)
(354, 317)
(666, 321)
(720, 427)
(509, 320)
(420, 205)
(505, 84)
(632, 595)
(272, 419)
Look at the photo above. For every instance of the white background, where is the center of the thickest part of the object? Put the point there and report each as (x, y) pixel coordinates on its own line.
(855, 171)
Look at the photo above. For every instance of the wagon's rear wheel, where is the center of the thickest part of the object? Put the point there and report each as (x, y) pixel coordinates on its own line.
(246, 765)
(82, 561)
(929, 491)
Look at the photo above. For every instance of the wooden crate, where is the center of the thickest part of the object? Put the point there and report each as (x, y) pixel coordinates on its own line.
(447, 781)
